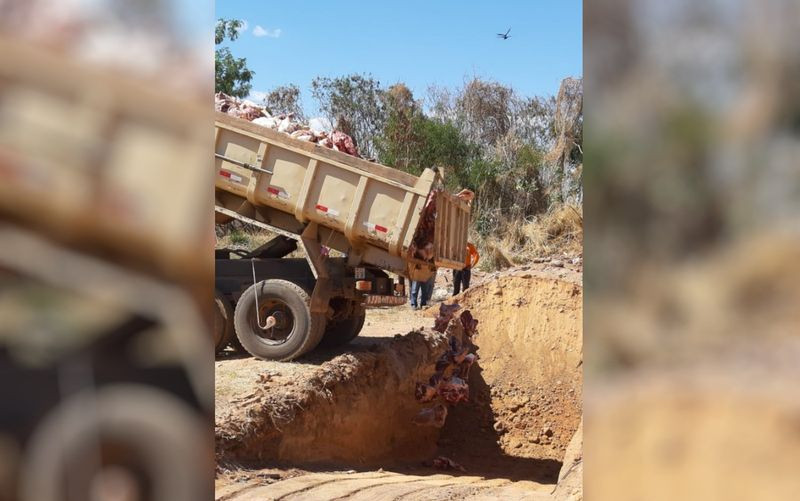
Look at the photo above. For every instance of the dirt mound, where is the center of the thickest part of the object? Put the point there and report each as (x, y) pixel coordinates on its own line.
(526, 392)
(356, 409)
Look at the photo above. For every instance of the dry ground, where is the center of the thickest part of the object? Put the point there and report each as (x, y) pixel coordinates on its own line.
(525, 403)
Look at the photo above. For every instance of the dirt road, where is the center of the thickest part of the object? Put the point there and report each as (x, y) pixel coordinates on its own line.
(381, 485)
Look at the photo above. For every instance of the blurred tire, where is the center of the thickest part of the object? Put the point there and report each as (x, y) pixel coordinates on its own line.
(125, 442)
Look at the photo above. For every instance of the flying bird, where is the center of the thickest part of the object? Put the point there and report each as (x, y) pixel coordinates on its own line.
(504, 36)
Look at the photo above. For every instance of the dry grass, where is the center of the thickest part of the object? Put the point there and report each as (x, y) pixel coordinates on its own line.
(559, 232)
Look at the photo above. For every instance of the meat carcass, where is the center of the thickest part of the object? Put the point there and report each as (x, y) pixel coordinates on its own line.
(343, 142)
(454, 390)
(286, 123)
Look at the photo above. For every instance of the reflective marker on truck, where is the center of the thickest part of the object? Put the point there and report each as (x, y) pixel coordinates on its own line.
(231, 176)
(327, 210)
(375, 227)
(277, 192)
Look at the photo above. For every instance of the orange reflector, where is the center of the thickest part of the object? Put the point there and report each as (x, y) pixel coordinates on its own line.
(363, 285)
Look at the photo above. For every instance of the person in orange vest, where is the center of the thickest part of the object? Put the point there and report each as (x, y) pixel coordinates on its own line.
(461, 277)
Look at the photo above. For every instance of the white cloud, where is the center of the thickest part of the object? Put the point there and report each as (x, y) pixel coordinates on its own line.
(258, 31)
(320, 124)
(244, 26)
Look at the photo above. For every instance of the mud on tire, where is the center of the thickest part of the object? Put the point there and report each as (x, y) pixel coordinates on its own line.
(297, 332)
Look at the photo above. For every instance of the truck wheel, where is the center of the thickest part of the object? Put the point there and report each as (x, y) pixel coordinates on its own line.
(223, 322)
(339, 333)
(296, 330)
(121, 442)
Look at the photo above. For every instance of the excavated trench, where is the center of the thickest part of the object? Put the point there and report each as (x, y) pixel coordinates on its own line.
(357, 409)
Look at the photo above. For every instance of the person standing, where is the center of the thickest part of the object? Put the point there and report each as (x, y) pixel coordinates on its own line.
(461, 277)
(417, 293)
(421, 292)
(427, 289)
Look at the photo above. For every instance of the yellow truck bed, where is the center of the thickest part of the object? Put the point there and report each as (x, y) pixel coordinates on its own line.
(364, 209)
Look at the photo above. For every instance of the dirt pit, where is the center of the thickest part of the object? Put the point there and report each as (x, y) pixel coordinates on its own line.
(528, 386)
(353, 409)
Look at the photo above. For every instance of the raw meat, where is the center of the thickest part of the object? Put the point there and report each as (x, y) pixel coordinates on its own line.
(288, 124)
(454, 390)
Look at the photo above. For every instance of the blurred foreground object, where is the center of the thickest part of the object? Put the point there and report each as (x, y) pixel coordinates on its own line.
(693, 249)
(106, 238)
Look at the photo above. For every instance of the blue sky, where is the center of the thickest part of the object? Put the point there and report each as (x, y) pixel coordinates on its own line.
(417, 42)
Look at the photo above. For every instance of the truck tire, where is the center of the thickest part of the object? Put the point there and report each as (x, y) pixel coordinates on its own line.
(124, 440)
(297, 331)
(223, 322)
(339, 333)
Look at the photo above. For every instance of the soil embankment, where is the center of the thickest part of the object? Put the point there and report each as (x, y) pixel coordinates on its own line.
(355, 410)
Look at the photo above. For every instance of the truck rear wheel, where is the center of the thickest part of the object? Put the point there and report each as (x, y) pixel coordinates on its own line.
(296, 330)
(223, 322)
(342, 331)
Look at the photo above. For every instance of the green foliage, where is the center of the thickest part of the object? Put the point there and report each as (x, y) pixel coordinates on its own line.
(239, 237)
(226, 28)
(483, 138)
(417, 142)
(231, 74)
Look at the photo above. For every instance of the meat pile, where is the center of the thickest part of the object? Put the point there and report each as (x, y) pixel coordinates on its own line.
(286, 123)
(422, 244)
(449, 381)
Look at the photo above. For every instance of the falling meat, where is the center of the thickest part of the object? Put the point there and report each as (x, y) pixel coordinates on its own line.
(454, 390)
(422, 244)
(449, 381)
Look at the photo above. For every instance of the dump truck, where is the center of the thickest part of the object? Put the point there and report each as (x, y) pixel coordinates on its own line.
(358, 223)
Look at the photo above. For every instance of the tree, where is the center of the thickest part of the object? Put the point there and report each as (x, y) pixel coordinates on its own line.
(484, 108)
(285, 99)
(231, 74)
(400, 140)
(355, 104)
(565, 159)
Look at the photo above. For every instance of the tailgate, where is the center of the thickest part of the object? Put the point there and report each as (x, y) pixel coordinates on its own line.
(452, 226)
